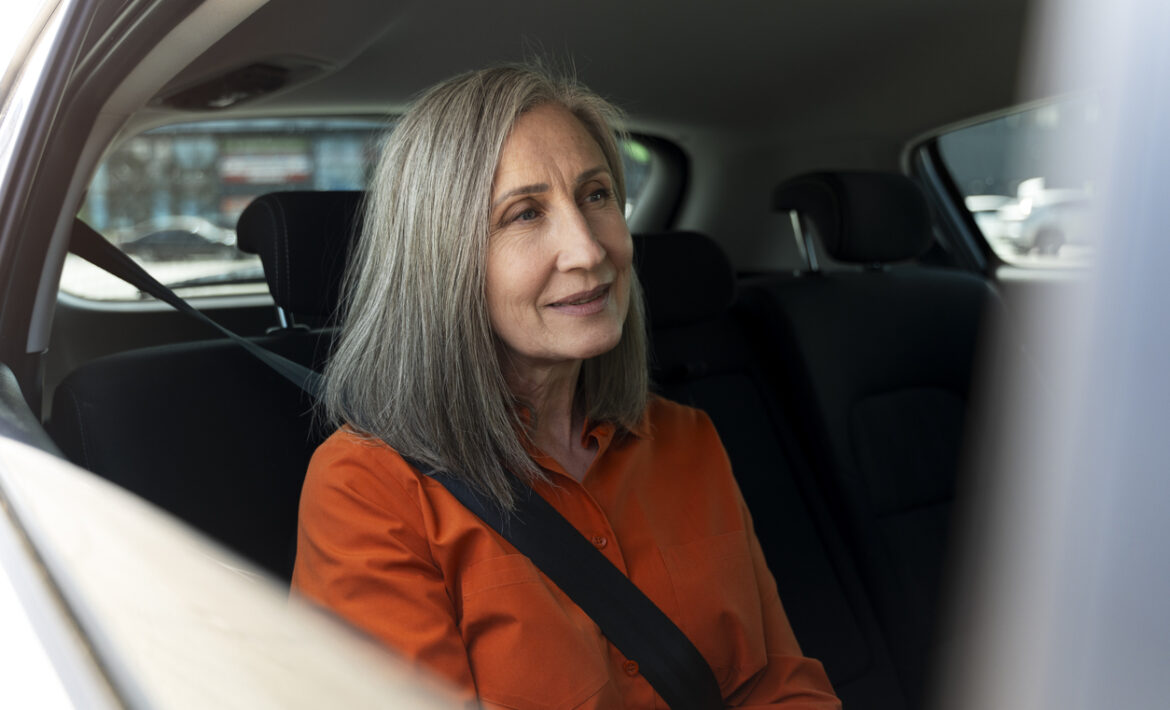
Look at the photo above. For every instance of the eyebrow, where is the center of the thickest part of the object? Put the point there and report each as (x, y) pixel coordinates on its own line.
(543, 186)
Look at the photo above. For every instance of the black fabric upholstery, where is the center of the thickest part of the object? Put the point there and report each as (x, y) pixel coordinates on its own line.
(205, 431)
(303, 240)
(879, 376)
(861, 217)
(702, 358)
(691, 275)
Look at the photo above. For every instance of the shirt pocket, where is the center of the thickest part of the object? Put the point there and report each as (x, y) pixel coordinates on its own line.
(527, 644)
(719, 604)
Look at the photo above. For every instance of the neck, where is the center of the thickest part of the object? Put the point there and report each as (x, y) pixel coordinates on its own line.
(550, 392)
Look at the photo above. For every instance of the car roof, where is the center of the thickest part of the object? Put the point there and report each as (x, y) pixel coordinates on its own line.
(803, 70)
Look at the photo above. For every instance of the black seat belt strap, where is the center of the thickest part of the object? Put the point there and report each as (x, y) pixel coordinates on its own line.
(627, 617)
(97, 250)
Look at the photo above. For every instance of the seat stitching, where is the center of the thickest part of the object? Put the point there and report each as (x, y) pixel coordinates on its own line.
(283, 243)
(278, 223)
(80, 427)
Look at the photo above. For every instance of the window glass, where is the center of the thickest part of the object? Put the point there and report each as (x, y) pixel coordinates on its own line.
(636, 162)
(170, 197)
(1029, 198)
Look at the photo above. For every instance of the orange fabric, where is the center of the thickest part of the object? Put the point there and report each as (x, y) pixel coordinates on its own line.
(394, 553)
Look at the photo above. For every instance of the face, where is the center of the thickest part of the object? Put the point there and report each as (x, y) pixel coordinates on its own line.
(559, 256)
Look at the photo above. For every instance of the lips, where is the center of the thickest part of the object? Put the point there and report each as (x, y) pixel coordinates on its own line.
(583, 303)
(583, 297)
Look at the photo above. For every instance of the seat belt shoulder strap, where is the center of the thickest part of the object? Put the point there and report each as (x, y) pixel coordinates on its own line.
(97, 250)
(627, 617)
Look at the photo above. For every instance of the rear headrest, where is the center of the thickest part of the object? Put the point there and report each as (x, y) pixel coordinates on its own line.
(861, 217)
(685, 276)
(303, 239)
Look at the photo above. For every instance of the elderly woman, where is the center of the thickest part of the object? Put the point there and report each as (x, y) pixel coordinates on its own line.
(493, 330)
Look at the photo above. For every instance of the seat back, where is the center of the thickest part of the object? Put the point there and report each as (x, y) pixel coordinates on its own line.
(701, 357)
(880, 359)
(205, 430)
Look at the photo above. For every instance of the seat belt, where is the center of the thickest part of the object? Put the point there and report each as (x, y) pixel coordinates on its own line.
(629, 619)
(87, 243)
(665, 657)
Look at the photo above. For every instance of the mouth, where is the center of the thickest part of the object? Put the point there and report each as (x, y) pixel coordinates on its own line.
(583, 303)
(582, 298)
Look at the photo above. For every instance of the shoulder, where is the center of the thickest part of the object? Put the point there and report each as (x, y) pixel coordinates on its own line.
(362, 470)
(677, 434)
(671, 420)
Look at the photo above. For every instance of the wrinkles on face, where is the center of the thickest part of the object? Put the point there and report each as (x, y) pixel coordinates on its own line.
(560, 253)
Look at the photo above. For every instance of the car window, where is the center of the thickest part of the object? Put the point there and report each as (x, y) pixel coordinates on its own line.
(171, 196)
(1029, 199)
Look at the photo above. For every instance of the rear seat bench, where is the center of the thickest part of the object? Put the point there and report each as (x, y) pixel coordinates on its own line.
(876, 369)
(701, 357)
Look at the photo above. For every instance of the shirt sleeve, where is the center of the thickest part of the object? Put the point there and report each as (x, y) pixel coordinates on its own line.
(790, 680)
(362, 553)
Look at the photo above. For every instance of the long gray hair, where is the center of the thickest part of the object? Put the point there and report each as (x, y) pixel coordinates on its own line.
(416, 364)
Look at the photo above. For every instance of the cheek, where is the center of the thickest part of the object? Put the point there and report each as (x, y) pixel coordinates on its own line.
(621, 254)
(494, 283)
(512, 285)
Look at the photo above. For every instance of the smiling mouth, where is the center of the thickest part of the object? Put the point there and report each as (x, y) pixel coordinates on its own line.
(579, 299)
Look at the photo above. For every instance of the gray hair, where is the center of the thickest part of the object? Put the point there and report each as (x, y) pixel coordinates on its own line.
(416, 364)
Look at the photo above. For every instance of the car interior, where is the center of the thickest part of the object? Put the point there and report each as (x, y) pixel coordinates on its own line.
(812, 278)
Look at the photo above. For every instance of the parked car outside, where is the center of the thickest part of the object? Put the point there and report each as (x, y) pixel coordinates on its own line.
(1045, 219)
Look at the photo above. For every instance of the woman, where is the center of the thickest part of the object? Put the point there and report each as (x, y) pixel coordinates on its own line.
(493, 330)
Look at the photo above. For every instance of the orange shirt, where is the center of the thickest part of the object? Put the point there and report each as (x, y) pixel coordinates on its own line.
(394, 553)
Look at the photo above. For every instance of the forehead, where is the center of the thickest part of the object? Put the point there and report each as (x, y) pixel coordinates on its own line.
(548, 137)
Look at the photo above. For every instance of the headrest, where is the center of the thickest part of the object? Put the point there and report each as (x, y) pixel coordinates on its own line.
(685, 276)
(861, 217)
(303, 239)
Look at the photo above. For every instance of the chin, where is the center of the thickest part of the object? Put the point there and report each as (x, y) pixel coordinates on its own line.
(601, 347)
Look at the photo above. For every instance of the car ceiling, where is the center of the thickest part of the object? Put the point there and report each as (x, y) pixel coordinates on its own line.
(818, 70)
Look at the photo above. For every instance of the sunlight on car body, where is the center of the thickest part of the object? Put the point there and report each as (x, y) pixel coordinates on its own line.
(181, 621)
(1064, 601)
(19, 21)
(16, 103)
(26, 673)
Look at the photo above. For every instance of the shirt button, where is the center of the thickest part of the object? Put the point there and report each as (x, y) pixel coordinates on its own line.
(600, 541)
(631, 668)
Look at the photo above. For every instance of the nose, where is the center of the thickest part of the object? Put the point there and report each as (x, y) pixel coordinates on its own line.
(577, 245)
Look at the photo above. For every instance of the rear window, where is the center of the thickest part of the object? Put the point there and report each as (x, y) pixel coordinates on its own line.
(171, 196)
(1028, 194)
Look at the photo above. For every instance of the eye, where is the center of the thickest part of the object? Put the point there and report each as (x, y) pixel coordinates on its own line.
(601, 194)
(526, 216)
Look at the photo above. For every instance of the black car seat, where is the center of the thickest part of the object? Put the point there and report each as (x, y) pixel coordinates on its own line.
(701, 357)
(879, 363)
(205, 430)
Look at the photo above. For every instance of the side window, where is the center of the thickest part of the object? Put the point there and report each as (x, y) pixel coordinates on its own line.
(171, 196)
(636, 160)
(1030, 200)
